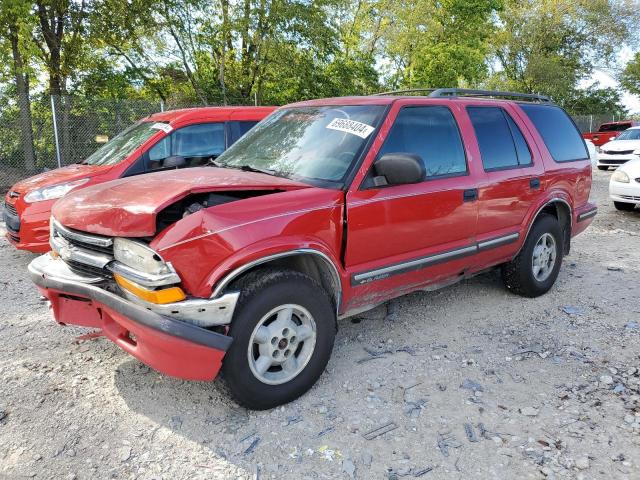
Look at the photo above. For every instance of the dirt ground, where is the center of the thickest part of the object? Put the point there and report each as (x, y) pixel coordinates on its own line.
(469, 382)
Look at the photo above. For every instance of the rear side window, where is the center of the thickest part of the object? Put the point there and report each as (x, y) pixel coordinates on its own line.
(501, 142)
(559, 133)
(432, 133)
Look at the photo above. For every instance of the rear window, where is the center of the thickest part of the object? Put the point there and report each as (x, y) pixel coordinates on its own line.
(559, 133)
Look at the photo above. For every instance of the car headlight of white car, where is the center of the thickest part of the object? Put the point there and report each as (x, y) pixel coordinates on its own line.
(139, 257)
(620, 176)
(53, 191)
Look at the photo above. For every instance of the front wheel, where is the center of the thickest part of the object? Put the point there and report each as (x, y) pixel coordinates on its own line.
(624, 206)
(535, 269)
(283, 332)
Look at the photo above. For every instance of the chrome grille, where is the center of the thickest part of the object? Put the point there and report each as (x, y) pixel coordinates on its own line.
(84, 269)
(90, 242)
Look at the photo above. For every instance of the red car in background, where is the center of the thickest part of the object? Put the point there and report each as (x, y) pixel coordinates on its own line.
(162, 141)
(608, 131)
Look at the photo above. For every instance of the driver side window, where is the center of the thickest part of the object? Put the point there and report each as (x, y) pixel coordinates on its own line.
(431, 132)
(196, 144)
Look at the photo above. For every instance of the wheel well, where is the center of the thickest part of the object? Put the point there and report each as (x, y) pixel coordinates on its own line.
(316, 266)
(562, 213)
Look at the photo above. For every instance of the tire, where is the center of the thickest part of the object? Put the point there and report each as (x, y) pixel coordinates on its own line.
(603, 167)
(519, 275)
(266, 297)
(624, 206)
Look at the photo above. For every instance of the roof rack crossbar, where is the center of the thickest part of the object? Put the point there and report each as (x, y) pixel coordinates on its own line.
(465, 92)
(408, 90)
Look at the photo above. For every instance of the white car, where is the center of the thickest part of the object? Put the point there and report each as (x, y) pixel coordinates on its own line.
(624, 186)
(593, 152)
(624, 148)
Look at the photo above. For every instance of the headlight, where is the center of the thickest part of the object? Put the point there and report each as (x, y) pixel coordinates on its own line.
(139, 257)
(620, 176)
(54, 191)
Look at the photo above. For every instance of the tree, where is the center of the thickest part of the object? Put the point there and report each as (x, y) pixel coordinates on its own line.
(428, 43)
(548, 46)
(61, 39)
(630, 78)
(595, 99)
(15, 28)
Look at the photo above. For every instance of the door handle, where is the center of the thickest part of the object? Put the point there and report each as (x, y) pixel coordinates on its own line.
(470, 195)
(534, 183)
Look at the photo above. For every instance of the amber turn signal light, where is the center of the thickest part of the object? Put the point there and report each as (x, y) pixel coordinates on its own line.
(166, 295)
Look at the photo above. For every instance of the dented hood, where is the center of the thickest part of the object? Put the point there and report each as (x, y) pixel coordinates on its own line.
(128, 206)
(59, 175)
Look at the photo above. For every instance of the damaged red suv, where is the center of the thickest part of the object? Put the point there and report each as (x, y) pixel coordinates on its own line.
(167, 140)
(327, 208)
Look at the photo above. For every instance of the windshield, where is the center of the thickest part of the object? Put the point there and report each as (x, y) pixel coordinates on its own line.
(633, 134)
(312, 143)
(123, 145)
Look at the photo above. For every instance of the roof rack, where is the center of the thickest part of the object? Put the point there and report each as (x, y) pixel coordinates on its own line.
(466, 92)
(408, 90)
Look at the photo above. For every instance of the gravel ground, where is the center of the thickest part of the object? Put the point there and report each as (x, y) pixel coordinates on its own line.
(470, 382)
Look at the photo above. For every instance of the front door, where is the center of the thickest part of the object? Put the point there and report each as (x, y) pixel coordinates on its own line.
(399, 237)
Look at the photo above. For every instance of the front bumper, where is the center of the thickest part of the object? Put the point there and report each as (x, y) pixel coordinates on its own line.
(166, 344)
(625, 192)
(28, 227)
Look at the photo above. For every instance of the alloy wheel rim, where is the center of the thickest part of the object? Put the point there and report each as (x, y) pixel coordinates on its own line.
(544, 257)
(281, 344)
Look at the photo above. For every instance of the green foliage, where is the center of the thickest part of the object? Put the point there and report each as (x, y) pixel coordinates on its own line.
(550, 45)
(277, 51)
(630, 78)
(596, 100)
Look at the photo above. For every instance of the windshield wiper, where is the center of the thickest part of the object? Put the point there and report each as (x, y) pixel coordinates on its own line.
(249, 168)
(244, 168)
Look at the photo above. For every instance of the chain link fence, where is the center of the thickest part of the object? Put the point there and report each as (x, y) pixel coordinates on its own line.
(590, 123)
(58, 131)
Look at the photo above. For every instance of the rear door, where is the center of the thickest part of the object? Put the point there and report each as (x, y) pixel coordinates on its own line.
(406, 235)
(513, 179)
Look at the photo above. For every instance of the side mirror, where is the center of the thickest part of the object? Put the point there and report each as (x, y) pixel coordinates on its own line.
(399, 169)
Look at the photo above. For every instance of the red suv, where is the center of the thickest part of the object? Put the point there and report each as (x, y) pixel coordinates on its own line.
(168, 140)
(327, 208)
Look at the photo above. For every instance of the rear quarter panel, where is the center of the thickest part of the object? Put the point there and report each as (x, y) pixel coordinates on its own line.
(567, 181)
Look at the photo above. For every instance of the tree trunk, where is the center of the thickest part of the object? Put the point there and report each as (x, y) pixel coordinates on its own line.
(24, 102)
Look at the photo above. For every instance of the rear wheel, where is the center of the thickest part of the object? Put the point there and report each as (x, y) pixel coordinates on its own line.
(603, 167)
(283, 332)
(535, 269)
(624, 206)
